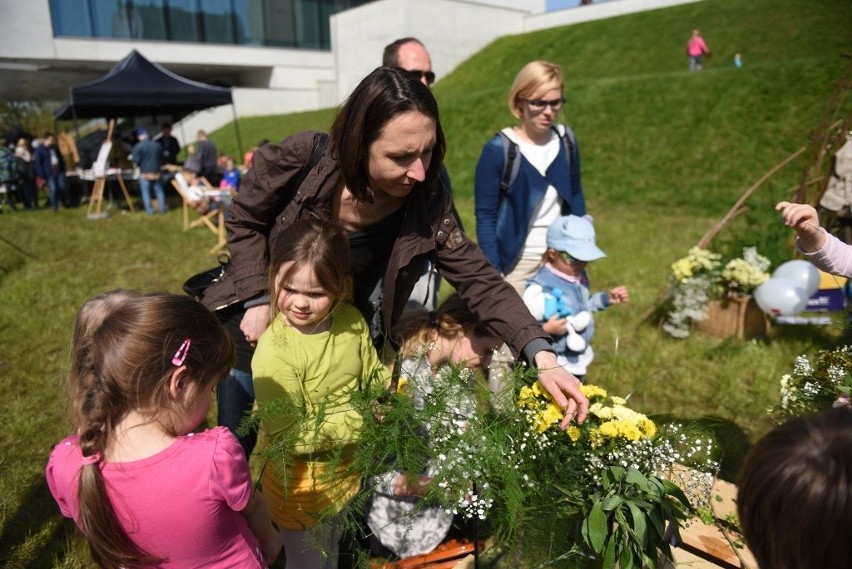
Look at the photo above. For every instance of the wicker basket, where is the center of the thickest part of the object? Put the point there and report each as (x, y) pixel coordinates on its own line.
(735, 316)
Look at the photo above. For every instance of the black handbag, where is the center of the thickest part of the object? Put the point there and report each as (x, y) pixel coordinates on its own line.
(199, 282)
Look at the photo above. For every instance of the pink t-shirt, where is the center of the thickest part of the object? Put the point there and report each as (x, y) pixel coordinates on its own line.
(182, 504)
(696, 46)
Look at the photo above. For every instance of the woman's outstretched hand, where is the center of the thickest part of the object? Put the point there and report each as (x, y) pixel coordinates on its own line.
(564, 387)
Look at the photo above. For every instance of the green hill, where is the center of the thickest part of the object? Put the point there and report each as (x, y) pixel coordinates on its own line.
(652, 133)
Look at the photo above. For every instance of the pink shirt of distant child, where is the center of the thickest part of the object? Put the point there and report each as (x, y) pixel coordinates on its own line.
(696, 46)
(835, 257)
(182, 504)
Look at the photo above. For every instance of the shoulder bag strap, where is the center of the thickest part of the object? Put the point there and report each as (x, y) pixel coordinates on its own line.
(510, 153)
(320, 142)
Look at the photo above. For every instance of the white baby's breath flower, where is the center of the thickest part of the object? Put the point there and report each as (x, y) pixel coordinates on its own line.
(802, 366)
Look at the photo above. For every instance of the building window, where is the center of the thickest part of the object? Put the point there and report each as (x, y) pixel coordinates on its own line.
(282, 23)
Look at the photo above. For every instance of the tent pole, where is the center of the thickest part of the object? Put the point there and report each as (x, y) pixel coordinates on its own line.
(237, 129)
(182, 131)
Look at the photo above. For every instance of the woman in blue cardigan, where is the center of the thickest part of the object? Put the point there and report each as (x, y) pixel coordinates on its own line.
(528, 176)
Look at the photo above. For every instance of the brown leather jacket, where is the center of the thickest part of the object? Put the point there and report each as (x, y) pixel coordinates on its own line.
(265, 206)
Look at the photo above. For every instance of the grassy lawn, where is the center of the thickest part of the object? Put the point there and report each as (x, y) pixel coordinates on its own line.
(665, 154)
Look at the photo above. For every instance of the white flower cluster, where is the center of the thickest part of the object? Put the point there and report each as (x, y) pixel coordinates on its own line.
(811, 385)
(836, 374)
(755, 259)
(689, 302)
(788, 392)
(675, 456)
(456, 467)
(802, 366)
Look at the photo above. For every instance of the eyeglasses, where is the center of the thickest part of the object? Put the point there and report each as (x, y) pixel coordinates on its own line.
(539, 105)
(417, 74)
(569, 259)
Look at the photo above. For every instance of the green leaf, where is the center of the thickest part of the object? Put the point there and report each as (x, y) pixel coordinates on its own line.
(635, 477)
(651, 562)
(609, 554)
(627, 560)
(611, 503)
(640, 527)
(598, 529)
(675, 491)
(657, 522)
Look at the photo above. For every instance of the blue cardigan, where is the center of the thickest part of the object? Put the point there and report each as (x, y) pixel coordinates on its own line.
(502, 224)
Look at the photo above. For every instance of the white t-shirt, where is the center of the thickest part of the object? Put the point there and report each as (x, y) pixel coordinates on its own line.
(195, 192)
(549, 209)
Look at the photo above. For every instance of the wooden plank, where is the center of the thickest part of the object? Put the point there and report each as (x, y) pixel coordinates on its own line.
(723, 502)
(684, 559)
(708, 542)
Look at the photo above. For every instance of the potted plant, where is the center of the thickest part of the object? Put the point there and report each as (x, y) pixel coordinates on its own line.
(714, 295)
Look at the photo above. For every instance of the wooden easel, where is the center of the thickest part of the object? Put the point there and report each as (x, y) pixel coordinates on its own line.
(97, 199)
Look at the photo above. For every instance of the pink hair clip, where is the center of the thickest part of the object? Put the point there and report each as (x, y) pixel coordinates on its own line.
(180, 354)
(92, 458)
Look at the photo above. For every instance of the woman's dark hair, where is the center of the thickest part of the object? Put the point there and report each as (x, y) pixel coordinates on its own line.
(795, 493)
(318, 244)
(381, 96)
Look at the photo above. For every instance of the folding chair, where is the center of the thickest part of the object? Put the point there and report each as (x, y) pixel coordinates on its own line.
(214, 219)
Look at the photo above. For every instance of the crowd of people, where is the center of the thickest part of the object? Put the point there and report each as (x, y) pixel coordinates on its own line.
(37, 166)
(32, 165)
(336, 241)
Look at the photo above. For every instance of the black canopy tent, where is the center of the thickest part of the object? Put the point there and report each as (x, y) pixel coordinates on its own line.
(139, 87)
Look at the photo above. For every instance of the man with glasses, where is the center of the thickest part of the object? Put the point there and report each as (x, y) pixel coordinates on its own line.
(410, 54)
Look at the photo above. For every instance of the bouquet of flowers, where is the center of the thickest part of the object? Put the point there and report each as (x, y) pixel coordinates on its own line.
(816, 386)
(703, 275)
(600, 493)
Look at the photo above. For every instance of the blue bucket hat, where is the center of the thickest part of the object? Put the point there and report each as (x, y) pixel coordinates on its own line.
(575, 236)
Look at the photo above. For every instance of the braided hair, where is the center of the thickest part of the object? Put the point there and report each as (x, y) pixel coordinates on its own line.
(122, 360)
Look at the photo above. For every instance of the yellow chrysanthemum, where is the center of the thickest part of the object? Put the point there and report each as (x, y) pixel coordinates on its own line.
(573, 433)
(592, 391)
(526, 398)
(682, 269)
(618, 400)
(649, 428)
(599, 411)
(552, 415)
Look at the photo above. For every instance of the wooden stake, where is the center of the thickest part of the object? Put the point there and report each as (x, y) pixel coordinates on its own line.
(713, 231)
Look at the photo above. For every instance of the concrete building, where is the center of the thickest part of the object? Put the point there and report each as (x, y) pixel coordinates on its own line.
(280, 56)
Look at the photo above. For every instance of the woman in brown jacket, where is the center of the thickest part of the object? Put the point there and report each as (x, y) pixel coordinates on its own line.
(379, 180)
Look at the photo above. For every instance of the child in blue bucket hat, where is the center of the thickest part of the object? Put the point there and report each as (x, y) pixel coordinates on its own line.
(558, 294)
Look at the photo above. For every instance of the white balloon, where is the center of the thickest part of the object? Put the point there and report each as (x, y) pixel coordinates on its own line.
(781, 297)
(801, 272)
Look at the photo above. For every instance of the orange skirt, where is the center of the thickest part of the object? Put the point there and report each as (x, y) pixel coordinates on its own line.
(313, 491)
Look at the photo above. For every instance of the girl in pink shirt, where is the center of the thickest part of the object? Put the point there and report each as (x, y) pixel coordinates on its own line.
(142, 486)
(696, 48)
(817, 245)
